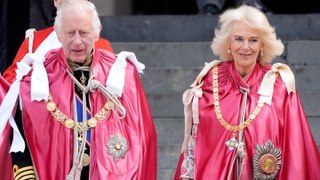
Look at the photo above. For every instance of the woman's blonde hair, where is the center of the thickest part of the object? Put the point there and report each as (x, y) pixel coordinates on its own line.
(254, 18)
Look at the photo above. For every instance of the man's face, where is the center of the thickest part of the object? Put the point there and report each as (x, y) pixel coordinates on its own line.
(76, 35)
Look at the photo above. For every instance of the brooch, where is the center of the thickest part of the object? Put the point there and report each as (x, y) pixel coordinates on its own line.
(232, 143)
(266, 161)
(117, 146)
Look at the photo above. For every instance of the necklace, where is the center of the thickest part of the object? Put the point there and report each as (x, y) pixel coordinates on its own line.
(79, 126)
(232, 143)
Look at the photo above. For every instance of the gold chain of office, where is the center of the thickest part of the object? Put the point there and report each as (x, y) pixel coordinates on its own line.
(217, 109)
(79, 126)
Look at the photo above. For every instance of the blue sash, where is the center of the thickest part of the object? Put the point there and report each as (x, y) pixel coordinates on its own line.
(79, 107)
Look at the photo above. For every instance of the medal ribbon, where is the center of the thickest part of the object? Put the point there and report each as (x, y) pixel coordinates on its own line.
(79, 113)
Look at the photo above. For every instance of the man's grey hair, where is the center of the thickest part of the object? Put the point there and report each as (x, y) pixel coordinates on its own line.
(78, 5)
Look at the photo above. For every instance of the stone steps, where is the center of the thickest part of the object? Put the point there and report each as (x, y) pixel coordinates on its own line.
(178, 79)
(184, 54)
(198, 28)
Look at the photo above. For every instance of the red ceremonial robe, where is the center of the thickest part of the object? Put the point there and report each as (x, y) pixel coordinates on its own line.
(5, 165)
(283, 123)
(51, 143)
(39, 38)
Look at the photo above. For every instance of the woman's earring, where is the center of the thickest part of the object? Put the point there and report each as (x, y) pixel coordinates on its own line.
(261, 52)
(229, 51)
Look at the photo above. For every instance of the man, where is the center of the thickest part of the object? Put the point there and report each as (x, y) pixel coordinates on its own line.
(40, 42)
(74, 126)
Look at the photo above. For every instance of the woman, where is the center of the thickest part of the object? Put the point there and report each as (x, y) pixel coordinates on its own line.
(244, 119)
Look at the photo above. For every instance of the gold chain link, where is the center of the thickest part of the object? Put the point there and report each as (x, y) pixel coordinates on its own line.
(217, 109)
(79, 126)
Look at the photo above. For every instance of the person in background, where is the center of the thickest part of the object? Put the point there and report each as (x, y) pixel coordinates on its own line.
(211, 7)
(40, 42)
(90, 119)
(244, 118)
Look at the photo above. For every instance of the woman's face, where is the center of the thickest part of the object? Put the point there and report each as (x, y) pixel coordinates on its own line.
(245, 47)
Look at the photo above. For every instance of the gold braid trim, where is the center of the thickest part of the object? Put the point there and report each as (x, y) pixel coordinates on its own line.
(23, 173)
(28, 177)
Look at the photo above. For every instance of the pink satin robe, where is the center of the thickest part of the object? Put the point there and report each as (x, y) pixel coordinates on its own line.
(51, 143)
(5, 158)
(283, 123)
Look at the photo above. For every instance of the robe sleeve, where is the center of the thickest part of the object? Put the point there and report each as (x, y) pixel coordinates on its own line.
(5, 165)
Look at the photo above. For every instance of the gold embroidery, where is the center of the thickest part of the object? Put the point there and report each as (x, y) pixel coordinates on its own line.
(28, 177)
(23, 173)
